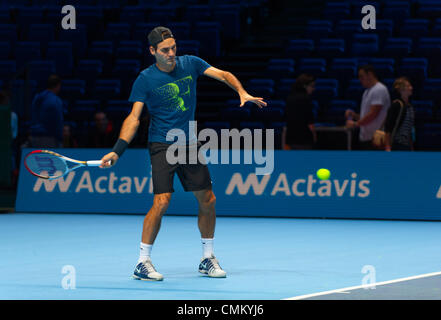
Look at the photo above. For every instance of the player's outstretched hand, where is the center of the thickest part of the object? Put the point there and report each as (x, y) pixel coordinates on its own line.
(246, 97)
(109, 160)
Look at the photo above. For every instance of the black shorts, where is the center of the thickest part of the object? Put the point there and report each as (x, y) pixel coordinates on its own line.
(193, 177)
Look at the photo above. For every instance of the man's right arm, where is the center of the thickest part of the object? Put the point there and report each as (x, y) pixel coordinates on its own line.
(128, 131)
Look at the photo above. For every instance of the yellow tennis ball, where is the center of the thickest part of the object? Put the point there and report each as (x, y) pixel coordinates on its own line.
(323, 174)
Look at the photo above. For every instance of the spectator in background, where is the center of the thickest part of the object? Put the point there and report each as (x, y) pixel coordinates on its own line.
(299, 132)
(374, 105)
(103, 135)
(68, 140)
(400, 120)
(47, 116)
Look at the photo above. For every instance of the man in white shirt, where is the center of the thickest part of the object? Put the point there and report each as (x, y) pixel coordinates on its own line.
(373, 109)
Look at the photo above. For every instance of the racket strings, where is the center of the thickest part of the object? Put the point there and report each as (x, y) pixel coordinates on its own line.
(46, 164)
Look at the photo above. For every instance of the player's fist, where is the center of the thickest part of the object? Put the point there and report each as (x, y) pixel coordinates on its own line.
(109, 160)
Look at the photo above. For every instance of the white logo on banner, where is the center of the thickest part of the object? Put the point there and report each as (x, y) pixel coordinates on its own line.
(102, 184)
(300, 187)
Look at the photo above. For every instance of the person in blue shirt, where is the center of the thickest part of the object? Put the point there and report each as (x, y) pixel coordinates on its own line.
(47, 116)
(168, 89)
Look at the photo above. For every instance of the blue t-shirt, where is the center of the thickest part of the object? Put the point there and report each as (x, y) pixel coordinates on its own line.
(47, 115)
(170, 97)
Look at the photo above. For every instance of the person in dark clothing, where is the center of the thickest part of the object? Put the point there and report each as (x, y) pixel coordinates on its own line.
(47, 120)
(103, 135)
(299, 132)
(400, 119)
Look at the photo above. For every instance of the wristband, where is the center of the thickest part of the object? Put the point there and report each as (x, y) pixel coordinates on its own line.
(120, 146)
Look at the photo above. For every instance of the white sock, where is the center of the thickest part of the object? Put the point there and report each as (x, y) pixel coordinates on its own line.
(144, 252)
(207, 247)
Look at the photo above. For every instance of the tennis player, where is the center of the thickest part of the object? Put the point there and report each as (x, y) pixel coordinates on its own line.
(168, 89)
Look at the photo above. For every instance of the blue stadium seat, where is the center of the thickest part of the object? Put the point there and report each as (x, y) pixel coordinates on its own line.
(197, 12)
(73, 89)
(40, 70)
(81, 112)
(208, 34)
(181, 30)
(228, 15)
(164, 13)
(343, 69)
(436, 28)
(384, 28)
(91, 16)
(5, 50)
(336, 110)
(431, 49)
(280, 68)
(284, 87)
(300, 48)
(430, 90)
(252, 125)
(414, 28)
(325, 91)
(117, 32)
(190, 47)
(89, 70)
(5, 15)
(277, 104)
(384, 67)
(107, 89)
(78, 38)
(396, 11)
(267, 114)
(313, 66)
(102, 50)
(117, 110)
(235, 113)
(133, 14)
(42, 33)
(354, 91)
(428, 136)
(365, 44)
(428, 9)
(336, 11)
(216, 125)
(129, 49)
(26, 51)
(8, 32)
(423, 109)
(7, 69)
(126, 70)
(318, 29)
(331, 48)
(28, 15)
(415, 69)
(345, 29)
(141, 30)
(397, 47)
(61, 54)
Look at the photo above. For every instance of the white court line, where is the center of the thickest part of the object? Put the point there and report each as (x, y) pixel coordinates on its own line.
(365, 286)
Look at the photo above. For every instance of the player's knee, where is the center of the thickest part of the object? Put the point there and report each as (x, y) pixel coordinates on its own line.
(161, 202)
(209, 201)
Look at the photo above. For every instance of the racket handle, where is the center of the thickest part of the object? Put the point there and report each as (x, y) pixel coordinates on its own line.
(96, 163)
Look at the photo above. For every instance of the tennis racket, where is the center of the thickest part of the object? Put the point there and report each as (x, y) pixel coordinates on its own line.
(50, 165)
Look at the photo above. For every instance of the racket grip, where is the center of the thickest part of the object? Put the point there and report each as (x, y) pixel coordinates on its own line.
(96, 163)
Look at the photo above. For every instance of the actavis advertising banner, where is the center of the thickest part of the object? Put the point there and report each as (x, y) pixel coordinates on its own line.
(363, 184)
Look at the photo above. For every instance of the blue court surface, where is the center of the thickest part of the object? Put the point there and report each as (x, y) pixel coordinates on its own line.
(84, 256)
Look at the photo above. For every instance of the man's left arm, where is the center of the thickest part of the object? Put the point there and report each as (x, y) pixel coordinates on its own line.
(234, 83)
